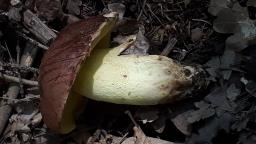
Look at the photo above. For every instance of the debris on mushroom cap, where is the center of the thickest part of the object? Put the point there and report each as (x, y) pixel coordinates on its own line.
(60, 65)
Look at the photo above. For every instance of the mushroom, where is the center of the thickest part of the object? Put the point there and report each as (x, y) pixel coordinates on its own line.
(79, 64)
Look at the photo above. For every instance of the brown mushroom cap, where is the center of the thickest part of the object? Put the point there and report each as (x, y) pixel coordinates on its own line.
(59, 68)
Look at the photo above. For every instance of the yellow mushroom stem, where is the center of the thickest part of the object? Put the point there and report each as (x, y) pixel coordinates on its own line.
(130, 79)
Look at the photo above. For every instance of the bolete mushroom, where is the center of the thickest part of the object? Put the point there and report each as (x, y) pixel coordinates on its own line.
(79, 63)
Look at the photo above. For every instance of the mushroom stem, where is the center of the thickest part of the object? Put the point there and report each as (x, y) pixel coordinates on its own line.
(79, 64)
(130, 79)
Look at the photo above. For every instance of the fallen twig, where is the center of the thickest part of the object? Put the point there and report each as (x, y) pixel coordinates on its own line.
(36, 43)
(23, 99)
(170, 45)
(19, 67)
(17, 80)
(38, 28)
(138, 133)
(5, 110)
(123, 138)
(154, 15)
(132, 119)
(142, 9)
(201, 20)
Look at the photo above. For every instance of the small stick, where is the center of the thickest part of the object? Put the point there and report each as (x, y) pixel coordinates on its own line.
(17, 80)
(17, 66)
(200, 20)
(132, 119)
(140, 136)
(37, 27)
(170, 45)
(142, 9)
(18, 63)
(123, 138)
(23, 99)
(18, 52)
(36, 43)
(5, 110)
(150, 10)
(6, 47)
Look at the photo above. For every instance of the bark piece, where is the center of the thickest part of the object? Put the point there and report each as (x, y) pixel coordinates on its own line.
(37, 27)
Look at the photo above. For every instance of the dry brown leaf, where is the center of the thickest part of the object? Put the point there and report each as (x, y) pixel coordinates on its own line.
(182, 124)
(140, 47)
(36, 119)
(233, 92)
(218, 98)
(131, 140)
(206, 133)
(117, 7)
(184, 121)
(141, 138)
